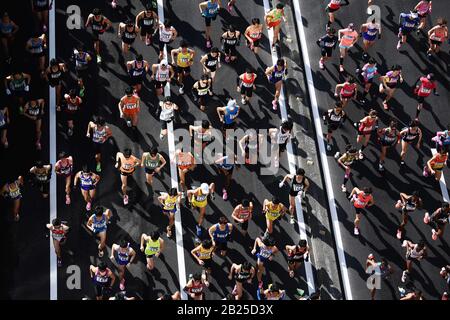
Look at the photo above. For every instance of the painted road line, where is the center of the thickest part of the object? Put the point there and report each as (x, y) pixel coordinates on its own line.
(323, 155)
(292, 165)
(52, 135)
(442, 183)
(174, 182)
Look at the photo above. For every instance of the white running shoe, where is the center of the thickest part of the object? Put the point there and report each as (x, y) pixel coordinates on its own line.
(356, 231)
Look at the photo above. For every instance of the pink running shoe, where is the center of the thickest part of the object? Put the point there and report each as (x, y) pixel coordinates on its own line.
(275, 105)
(225, 194)
(125, 200)
(113, 4)
(208, 44)
(67, 199)
(122, 285)
(434, 235)
(88, 206)
(426, 218)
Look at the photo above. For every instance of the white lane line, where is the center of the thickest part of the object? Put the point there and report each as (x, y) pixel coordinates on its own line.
(292, 164)
(442, 184)
(52, 136)
(323, 155)
(174, 181)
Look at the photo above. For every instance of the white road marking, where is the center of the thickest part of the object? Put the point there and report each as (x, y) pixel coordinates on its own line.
(174, 182)
(323, 155)
(442, 184)
(52, 148)
(292, 164)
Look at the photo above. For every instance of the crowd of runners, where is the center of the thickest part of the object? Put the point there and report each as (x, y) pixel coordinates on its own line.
(174, 66)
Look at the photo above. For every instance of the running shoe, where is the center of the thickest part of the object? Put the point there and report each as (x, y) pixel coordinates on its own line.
(161, 136)
(129, 123)
(125, 200)
(148, 41)
(399, 44)
(212, 196)
(426, 218)
(404, 275)
(100, 253)
(341, 68)
(67, 199)
(360, 155)
(329, 146)
(380, 167)
(225, 194)
(88, 206)
(337, 155)
(434, 235)
(234, 292)
(227, 59)
(343, 188)
(16, 218)
(399, 234)
(425, 172)
(274, 48)
(385, 105)
(230, 8)
(244, 101)
(113, 4)
(274, 105)
(69, 132)
(99, 59)
(208, 44)
(321, 65)
(260, 284)
(198, 231)
(292, 220)
(356, 231)
(429, 55)
(181, 90)
(38, 146)
(402, 163)
(59, 262)
(122, 285)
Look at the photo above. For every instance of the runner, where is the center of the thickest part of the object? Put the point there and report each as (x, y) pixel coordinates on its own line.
(103, 279)
(345, 160)
(201, 90)
(230, 39)
(202, 136)
(281, 135)
(211, 62)
(98, 224)
(126, 163)
(414, 252)
(184, 60)
(273, 20)
(41, 175)
(147, 22)
(88, 183)
(228, 115)
(166, 115)
(137, 70)
(40, 10)
(72, 104)
(298, 188)
(276, 75)
(36, 47)
(220, 234)
(129, 108)
(18, 86)
(423, 88)
(249, 145)
(366, 126)
(437, 36)
(253, 35)
(389, 83)
(241, 273)
(369, 32)
(226, 168)
(327, 44)
(230, 5)
(203, 253)
(408, 22)
(410, 135)
(296, 255)
(380, 269)
(209, 10)
(152, 162)
(442, 138)
(423, 7)
(185, 162)
(54, 75)
(333, 119)
(34, 110)
(273, 210)
(438, 220)
(346, 91)
(153, 246)
(388, 137)
(170, 201)
(64, 168)
(11, 190)
(99, 24)
(58, 231)
(361, 199)
(332, 7)
(194, 287)
(167, 33)
(128, 32)
(347, 38)
(82, 59)
(8, 30)
(436, 164)
(242, 215)
(4, 123)
(266, 248)
(161, 74)
(100, 134)
(273, 292)
(406, 205)
(198, 198)
(246, 85)
(366, 76)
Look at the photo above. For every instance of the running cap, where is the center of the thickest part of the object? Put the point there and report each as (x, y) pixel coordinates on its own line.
(231, 104)
(414, 14)
(371, 256)
(205, 188)
(164, 62)
(351, 26)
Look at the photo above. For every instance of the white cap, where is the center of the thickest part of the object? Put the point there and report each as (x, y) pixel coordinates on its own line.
(164, 62)
(205, 188)
(231, 104)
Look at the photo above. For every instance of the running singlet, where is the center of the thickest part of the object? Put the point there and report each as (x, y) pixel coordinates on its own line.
(185, 160)
(98, 26)
(438, 162)
(410, 205)
(183, 59)
(147, 21)
(265, 252)
(334, 4)
(392, 80)
(211, 10)
(18, 84)
(349, 158)
(335, 119)
(166, 113)
(389, 137)
(2, 118)
(98, 136)
(202, 90)
(273, 211)
(221, 235)
(165, 35)
(242, 275)
(368, 72)
(6, 28)
(255, 35)
(65, 170)
(197, 288)
(169, 203)
(230, 41)
(42, 176)
(360, 200)
(282, 137)
(439, 34)
(200, 197)
(14, 191)
(348, 37)
(99, 225)
(55, 76)
(277, 75)
(230, 116)
(297, 254)
(72, 105)
(275, 16)
(81, 61)
(366, 127)
(246, 82)
(416, 254)
(328, 41)
(296, 186)
(410, 136)
(205, 254)
(162, 75)
(425, 87)
(35, 110)
(211, 62)
(348, 89)
(129, 35)
(423, 8)
(58, 233)
(130, 104)
(151, 163)
(371, 32)
(123, 257)
(101, 280)
(244, 213)
(152, 247)
(407, 24)
(36, 46)
(87, 183)
(41, 4)
(127, 164)
(225, 165)
(137, 71)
